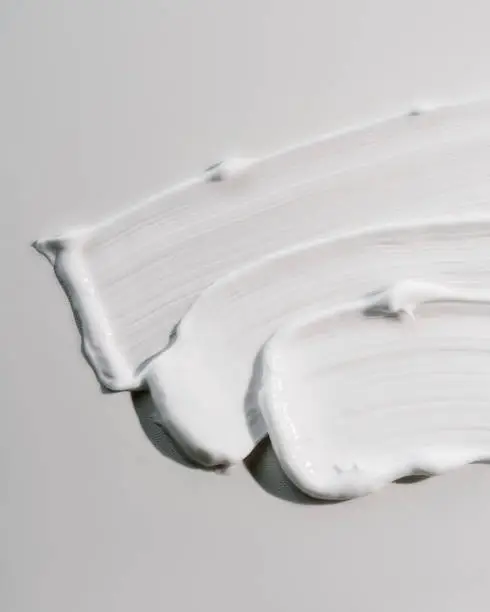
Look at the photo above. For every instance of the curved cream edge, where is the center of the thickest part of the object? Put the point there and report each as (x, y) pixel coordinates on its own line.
(316, 357)
(145, 272)
(205, 384)
(96, 333)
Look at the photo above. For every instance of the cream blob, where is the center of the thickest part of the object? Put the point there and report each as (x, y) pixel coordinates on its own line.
(352, 402)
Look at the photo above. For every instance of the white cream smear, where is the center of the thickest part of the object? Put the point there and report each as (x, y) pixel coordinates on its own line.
(132, 277)
(353, 402)
(318, 224)
(205, 384)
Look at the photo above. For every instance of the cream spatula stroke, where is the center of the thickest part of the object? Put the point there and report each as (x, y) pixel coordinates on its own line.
(131, 277)
(352, 402)
(205, 384)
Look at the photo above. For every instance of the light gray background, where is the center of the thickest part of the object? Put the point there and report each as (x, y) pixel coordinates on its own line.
(106, 101)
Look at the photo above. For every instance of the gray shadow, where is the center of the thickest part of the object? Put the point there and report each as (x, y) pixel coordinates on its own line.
(379, 309)
(482, 462)
(415, 478)
(214, 173)
(155, 431)
(412, 479)
(160, 437)
(264, 467)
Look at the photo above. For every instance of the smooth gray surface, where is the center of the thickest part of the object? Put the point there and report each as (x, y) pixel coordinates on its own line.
(103, 102)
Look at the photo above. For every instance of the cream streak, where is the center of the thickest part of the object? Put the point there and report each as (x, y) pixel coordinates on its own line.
(205, 385)
(353, 402)
(131, 278)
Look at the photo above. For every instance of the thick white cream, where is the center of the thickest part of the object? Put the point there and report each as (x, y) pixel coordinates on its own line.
(353, 402)
(234, 253)
(132, 277)
(205, 385)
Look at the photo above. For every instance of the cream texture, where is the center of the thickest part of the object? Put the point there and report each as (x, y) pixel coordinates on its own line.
(234, 254)
(205, 384)
(146, 266)
(353, 402)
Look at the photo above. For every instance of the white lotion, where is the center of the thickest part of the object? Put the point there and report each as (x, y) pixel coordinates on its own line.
(131, 278)
(205, 384)
(353, 402)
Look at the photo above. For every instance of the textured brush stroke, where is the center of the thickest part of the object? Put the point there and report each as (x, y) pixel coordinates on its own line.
(352, 403)
(131, 278)
(205, 384)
